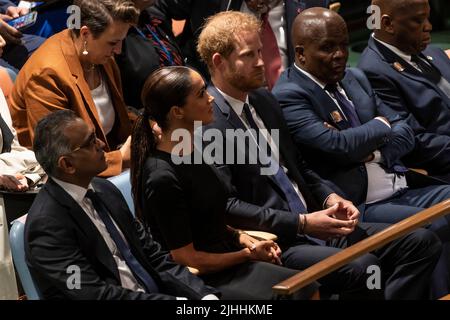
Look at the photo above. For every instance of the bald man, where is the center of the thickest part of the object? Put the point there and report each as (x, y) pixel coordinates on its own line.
(414, 79)
(346, 133)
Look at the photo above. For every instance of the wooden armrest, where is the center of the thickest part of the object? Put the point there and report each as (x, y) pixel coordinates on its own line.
(262, 235)
(194, 270)
(335, 6)
(447, 297)
(378, 240)
(421, 171)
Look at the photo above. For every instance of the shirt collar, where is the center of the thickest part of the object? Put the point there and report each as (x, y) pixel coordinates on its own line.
(401, 54)
(236, 105)
(76, 192)
(309, 75)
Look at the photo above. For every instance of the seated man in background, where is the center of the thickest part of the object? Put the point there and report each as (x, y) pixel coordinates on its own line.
(413, 78)
(81, 221)
(348, 135)
(311, 221)
(276, 16)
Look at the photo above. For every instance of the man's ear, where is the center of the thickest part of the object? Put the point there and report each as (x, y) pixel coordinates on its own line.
(65, 165)
(300, 54)
(386, 24)
(217, 60)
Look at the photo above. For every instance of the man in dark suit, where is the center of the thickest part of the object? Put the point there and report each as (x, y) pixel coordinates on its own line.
(414, 79)
(347, 134)
(196, 11)
(288, 199)
(81, 240)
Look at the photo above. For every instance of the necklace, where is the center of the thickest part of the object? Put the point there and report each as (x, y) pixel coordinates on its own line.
(90, 68)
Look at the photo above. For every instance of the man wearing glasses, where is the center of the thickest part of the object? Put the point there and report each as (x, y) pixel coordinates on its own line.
(81, 240)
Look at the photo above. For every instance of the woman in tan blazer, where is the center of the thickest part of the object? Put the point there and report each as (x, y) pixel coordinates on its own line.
(75, 69)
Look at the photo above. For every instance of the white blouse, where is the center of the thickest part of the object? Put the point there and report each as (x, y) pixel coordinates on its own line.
(105, 108)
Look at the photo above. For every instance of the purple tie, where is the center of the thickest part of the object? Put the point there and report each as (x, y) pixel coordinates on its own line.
(346, 107)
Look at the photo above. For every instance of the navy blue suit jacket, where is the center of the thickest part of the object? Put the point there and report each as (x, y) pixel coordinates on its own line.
(257, 202)
(58, 233)
(338, 155)
(196, 11)
(424, 106)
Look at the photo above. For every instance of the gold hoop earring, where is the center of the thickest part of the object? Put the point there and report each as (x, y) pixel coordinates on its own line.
(85, 51)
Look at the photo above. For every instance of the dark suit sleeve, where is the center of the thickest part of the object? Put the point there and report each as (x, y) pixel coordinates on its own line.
(426, 142)
(307, 128)
(53, 248)
(401, 139)
(319, 187)
(177, 279)
(249, 216)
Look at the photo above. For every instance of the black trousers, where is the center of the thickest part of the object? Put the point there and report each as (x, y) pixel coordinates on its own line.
(254, 281)
(406, 264)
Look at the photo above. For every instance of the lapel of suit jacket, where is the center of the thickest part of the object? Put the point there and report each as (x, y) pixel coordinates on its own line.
(325, 106)
(265, 112)
(225, 108)
(70, 54)
(442, 65)
(117, 213)
(94, 238)
(354, 91)
(409, 71)
(233, 118)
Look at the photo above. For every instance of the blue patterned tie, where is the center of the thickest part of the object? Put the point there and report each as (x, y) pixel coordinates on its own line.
(295, 204)
(346, 107)
(138, 270)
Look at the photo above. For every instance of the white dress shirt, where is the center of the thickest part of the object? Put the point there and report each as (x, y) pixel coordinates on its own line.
(78, 193)
(380, 184)
(238, 106)
(104, 105)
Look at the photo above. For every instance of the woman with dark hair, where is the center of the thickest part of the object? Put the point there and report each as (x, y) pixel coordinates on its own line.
(185, 203)
(148, 46)
(75, 69)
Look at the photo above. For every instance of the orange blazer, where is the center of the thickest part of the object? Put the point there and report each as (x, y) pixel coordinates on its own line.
(51, 80)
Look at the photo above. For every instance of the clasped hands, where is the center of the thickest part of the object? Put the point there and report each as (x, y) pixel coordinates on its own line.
(338, 220)
(261, 250)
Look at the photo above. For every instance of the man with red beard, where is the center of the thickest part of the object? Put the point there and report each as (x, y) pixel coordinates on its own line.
(311, 221)
(414, 79)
